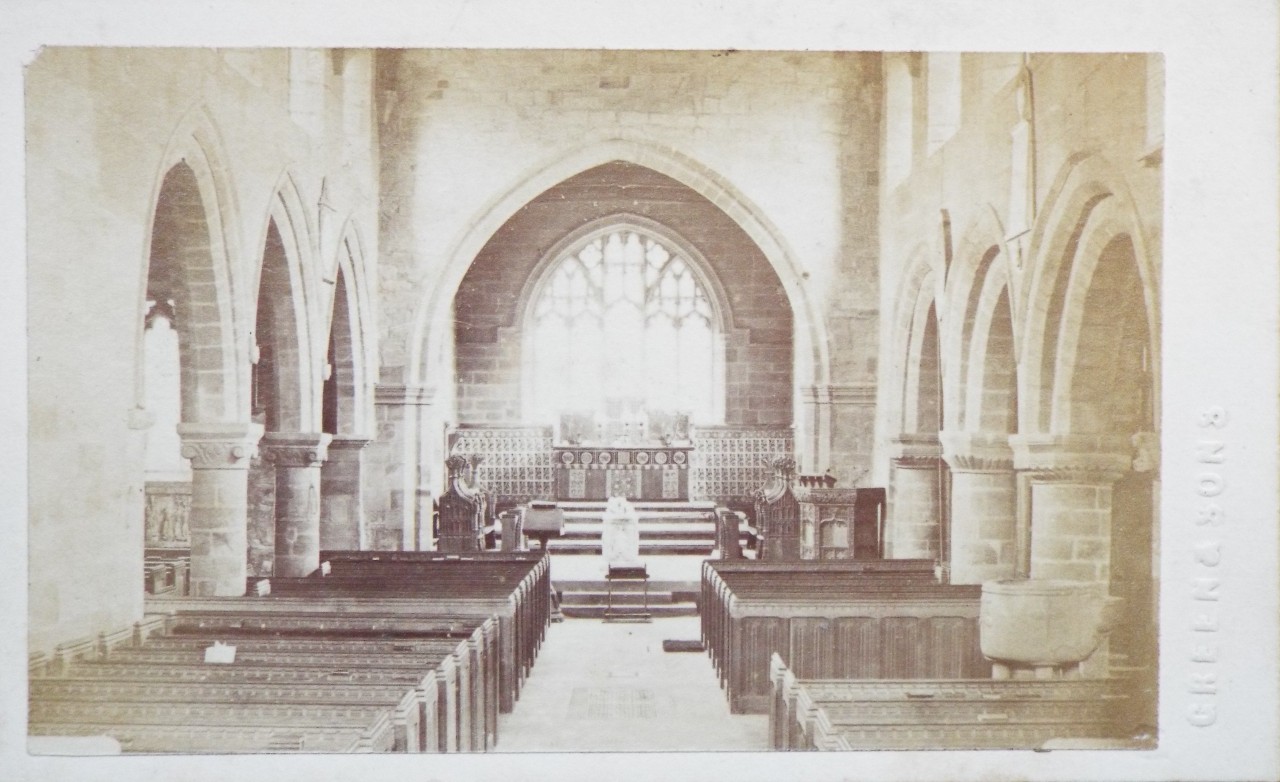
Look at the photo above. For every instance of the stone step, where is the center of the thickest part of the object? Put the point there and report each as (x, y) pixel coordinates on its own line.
(619, 599)
(688, 589)
(660, 610)
(685, 532)
(574, 506)
(701, 547)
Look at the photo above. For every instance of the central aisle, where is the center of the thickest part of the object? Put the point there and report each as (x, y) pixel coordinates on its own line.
(611, 687)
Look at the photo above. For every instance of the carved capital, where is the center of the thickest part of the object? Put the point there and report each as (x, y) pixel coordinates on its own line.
(296, 449)
(1094, 459)
(977, 452)
(219, 446)
(915, 451)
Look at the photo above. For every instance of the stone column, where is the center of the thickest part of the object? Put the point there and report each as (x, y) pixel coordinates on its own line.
(915, 511)
(983, 507)
(297, 458)
(219, 454)
(393, 511)
(342, 495)
(1070, 479)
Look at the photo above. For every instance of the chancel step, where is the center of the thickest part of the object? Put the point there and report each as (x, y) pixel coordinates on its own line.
(682, 528)
(589, 599)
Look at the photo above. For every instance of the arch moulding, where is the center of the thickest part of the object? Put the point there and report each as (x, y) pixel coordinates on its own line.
(1090, 202)
(197, 142)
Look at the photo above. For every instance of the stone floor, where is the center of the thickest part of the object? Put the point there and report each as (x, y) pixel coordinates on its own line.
(668, 567)
(610, 687)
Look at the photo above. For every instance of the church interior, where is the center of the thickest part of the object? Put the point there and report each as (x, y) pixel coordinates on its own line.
(370, 391)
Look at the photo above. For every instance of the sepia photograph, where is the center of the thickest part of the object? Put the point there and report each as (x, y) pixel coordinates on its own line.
(541, 401)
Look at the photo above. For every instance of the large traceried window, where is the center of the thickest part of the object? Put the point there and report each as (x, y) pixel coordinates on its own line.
(621, 323)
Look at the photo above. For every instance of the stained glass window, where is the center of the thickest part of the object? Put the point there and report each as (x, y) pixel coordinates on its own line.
(622, 322)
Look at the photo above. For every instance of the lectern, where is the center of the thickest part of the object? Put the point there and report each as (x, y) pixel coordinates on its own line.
(543, 520)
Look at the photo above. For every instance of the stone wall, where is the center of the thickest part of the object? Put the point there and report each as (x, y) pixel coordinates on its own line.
(103, 127)
(784, 146)
(1030, 228)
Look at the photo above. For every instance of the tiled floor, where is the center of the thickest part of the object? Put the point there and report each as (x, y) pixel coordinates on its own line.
(611, 687)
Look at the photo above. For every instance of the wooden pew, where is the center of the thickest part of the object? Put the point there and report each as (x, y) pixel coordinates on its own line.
(448, 709)
(116, 717)
(431, 688)
(770, 578)
(454, 635)
(836, 618)
(469, 684)
(524, 577)
(903, 714)
(203, 739)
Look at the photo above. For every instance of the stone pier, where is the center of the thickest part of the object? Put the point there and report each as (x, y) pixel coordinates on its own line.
(983, 507)
(297, 458)
(342, 495)
(915, 509)
(219, 454)
(1070, 478)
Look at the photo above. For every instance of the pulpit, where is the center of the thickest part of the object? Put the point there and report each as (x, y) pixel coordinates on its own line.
(842, 523)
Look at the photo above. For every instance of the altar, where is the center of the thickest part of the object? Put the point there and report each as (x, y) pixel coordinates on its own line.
(636, 472)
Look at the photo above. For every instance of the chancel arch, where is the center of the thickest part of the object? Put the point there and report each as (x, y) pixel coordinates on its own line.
(794, 334)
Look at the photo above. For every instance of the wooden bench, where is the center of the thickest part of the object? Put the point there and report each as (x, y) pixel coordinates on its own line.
(477, 579)
(117, 717)
(203, 739)
(401, 653)
(839, 619)
(451, 707)
(904, 714)
(167, 571)
(317, 638)
(432, 689)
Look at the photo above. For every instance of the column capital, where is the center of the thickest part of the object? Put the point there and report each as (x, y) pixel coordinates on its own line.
(977, 451)
(296, 449)
(1093, 458)
(219, 446)
(384, 394)
(915, 451)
